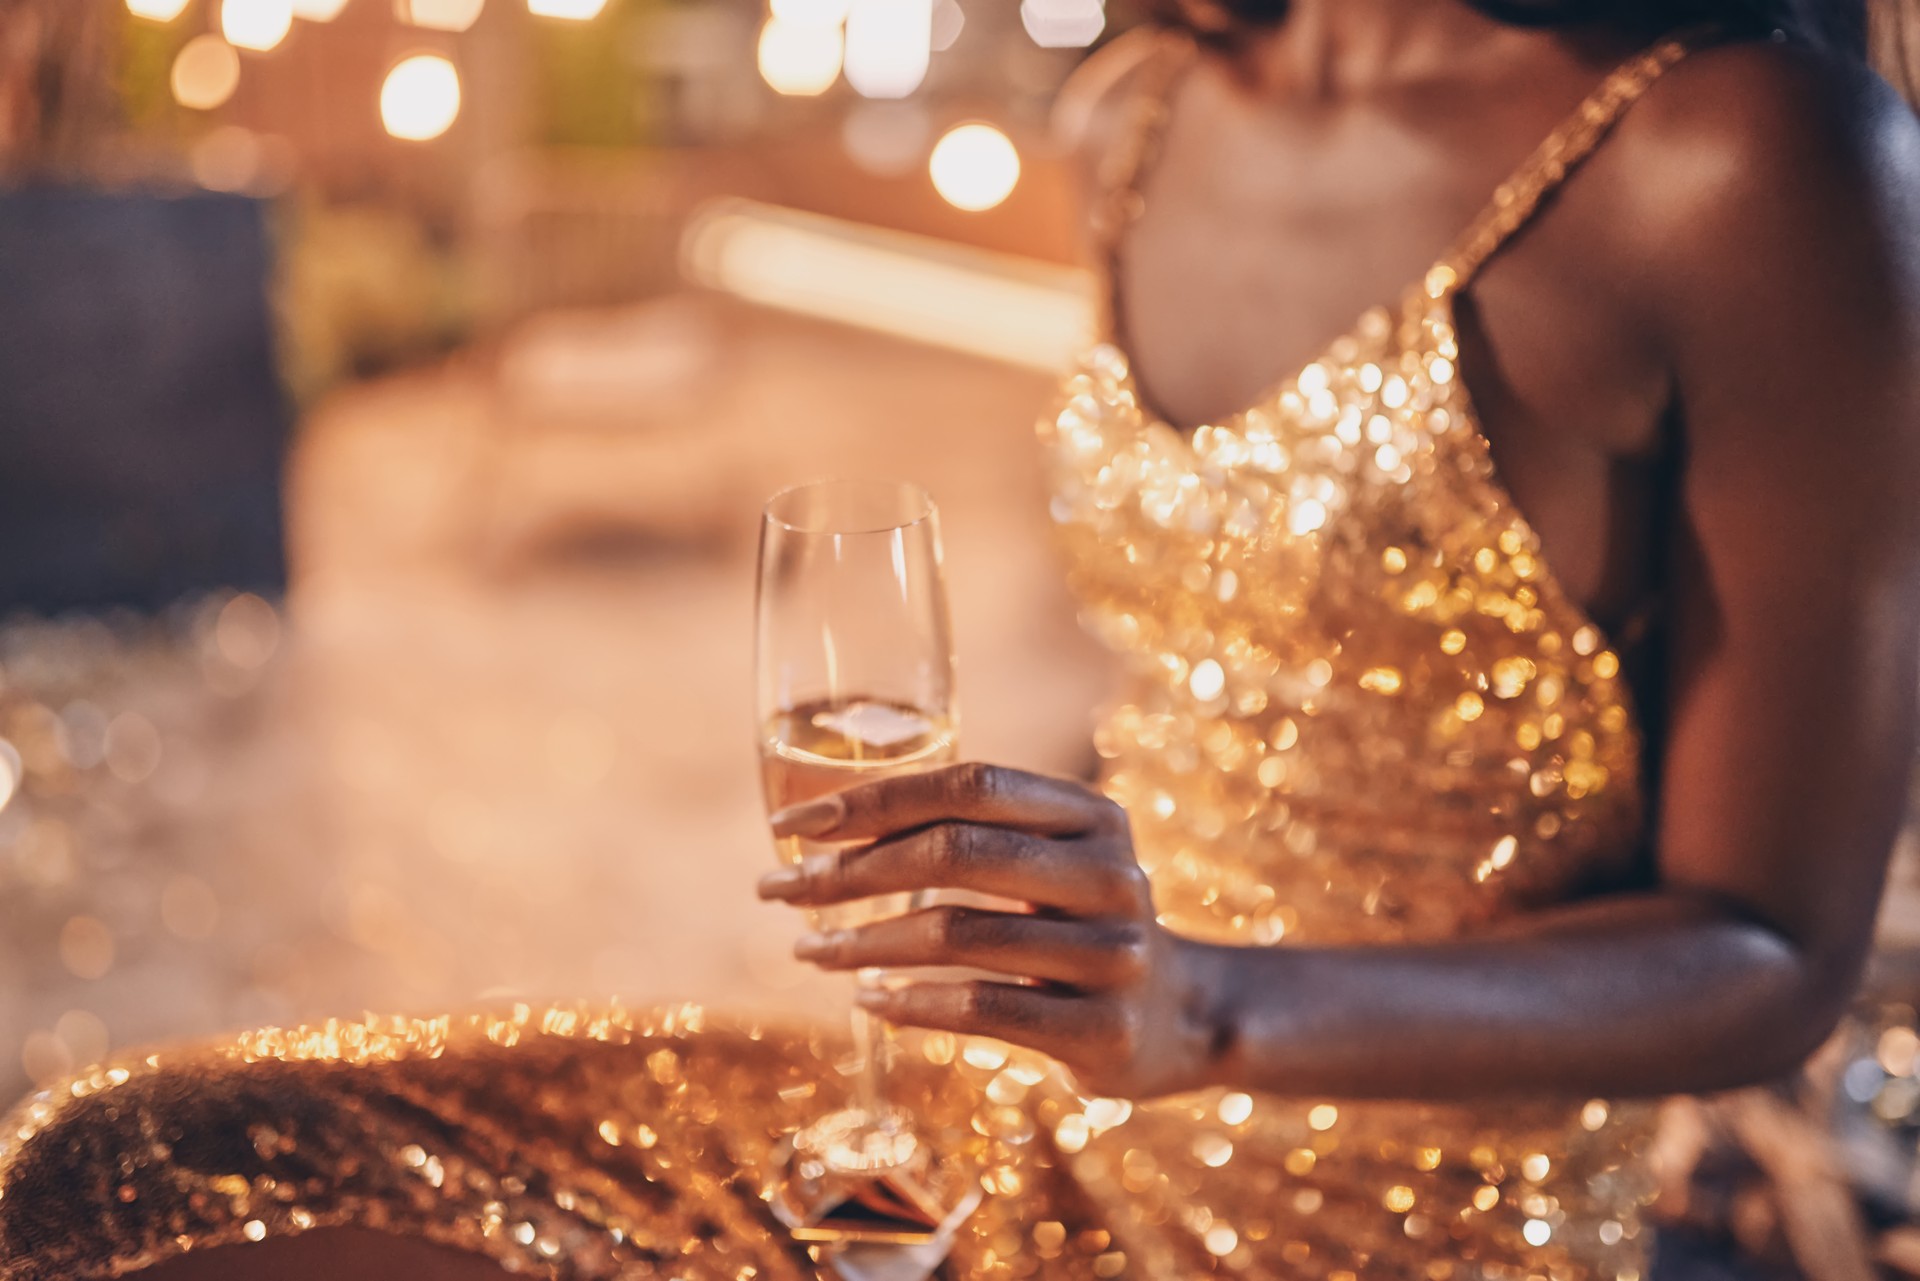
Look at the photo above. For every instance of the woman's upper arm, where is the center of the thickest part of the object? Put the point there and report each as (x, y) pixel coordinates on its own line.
(1786, 295)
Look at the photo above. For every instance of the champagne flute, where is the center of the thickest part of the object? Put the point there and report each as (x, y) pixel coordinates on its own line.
(855, 658)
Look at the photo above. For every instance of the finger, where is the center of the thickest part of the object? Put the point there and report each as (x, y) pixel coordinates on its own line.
(1079, 877)
(1071, 1028)
(972, 792)
(1082, 954)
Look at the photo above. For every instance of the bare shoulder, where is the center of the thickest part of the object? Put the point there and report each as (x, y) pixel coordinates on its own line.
(1774, 243)
(1746, 144)
(1090, 114)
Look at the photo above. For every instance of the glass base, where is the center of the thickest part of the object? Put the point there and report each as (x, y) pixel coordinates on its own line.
(856, 1176)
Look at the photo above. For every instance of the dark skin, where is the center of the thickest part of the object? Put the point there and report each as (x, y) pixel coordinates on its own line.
(1735, 267)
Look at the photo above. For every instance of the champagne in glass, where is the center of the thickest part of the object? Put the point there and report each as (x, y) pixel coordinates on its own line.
(855, 657)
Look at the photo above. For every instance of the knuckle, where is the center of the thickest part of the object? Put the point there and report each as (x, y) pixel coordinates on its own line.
(975, 781)
(1131, 887)
(970, 1002)
(1129, 950)
(954, 844)
(948, 927)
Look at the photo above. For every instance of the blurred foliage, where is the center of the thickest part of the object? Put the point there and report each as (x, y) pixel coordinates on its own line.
(143, 75)
(586, 91)
(362, 289)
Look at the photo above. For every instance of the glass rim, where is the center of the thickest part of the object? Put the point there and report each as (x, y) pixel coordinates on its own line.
(916, 495)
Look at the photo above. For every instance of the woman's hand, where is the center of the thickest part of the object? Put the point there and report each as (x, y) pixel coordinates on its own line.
(1094, 979)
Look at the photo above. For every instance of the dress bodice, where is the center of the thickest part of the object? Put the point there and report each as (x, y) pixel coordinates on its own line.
(1360, 706)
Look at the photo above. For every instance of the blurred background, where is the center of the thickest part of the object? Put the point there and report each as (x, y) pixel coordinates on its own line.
(387, 395)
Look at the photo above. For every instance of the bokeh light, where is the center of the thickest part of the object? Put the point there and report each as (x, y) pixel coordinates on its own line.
(888, 46)
(11, 772)
(948, 22)
(205, 73)
(442, 15)
(974, 167)
(799, 59)
(258, 25)
(572, 10)
(421, 98)
(1063, 24)
(156, 10)
(811, 13)
(318, 10)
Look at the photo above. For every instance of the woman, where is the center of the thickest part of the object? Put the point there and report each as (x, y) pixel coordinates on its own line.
(1556, 787)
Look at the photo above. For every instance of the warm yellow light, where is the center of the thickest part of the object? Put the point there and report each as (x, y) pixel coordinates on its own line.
(318, 10)
(258, 25)
(574, 10)
(888, 46)
(799, 59)
(206, 71)
(156, 10)
(442, 15)
(974, 167)
(1032, 314)
(421, 98)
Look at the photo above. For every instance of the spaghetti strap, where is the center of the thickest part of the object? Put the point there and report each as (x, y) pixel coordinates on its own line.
(1125, 165)
(1516, 200)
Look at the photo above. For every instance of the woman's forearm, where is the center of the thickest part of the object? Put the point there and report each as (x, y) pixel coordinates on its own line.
(1632, 995)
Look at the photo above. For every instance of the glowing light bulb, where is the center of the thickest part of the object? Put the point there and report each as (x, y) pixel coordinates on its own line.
(156, 10)
(442, 15)
(798, 59)
(1063, 24)
(420, 98)
(572, 10)
(258, 25)
(974, 167)
(318, 10)
(811, 13)
(888, 45)
(205, 73)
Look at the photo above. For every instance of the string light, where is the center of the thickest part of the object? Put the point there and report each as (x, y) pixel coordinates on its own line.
(974, 167)
(258, 25)
(318, 10)
(1030, 314)
(1063, 24)
(442, 15)
(571, 10)
(888, 46)
(420, 98)
(799, 59)
(156, 10)
(205, 73)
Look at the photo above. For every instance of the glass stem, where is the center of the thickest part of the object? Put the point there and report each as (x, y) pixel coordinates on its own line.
(870, 1045)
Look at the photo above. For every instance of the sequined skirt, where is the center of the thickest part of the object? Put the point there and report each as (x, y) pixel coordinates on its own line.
(579, 1143)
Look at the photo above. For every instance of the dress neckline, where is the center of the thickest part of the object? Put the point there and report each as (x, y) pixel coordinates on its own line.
(1512, 205)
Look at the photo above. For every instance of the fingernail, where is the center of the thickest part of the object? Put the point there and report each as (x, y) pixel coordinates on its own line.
(810, 818)
(809, 946)
(873, 998)
(783, 883)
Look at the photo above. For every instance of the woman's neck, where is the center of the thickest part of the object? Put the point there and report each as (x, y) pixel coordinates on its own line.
(1331, 49)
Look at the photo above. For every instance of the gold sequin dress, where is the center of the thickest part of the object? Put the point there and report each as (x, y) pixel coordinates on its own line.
(1362, 710)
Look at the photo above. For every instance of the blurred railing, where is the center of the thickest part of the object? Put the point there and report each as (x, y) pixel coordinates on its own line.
(583, 229)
